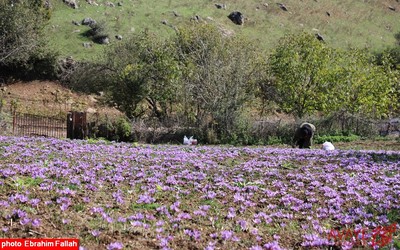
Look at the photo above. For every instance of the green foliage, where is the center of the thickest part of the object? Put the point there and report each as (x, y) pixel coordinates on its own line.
(273, 140)
(361, 87)
(146, 206)
(87, 77)
(97, 140)
(218, 77)
(336, 138)
(289, 165)
(21, 24)
(123, 129)
(27, 182)
(310, 77)
(143, 73)
(299, 64)
(23, 51)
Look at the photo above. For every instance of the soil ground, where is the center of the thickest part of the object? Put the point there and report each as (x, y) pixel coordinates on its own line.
(50, 98)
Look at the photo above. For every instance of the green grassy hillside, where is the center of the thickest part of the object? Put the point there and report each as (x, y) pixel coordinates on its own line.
(368, 24)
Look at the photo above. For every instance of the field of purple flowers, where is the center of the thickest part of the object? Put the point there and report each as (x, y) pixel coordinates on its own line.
(127, 196)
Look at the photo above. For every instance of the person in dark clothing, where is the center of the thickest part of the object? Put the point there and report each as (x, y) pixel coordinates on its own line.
(303, 135)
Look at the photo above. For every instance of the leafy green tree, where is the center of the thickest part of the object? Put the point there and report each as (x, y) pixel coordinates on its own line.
(298, 65)
(362, 87)
(20, 29)
(143, 73)
(22, 46)
(218, 77)
(309, 76)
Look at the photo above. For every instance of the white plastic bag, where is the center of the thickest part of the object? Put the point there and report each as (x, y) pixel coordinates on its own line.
(189, 141)
(186, 141)
(328, 146)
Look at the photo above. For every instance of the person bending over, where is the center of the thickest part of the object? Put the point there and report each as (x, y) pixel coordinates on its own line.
(303, 135)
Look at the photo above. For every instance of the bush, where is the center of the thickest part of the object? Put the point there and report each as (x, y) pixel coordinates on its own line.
(123, 130)
(112, 130)
(336, 138)
(5, 123)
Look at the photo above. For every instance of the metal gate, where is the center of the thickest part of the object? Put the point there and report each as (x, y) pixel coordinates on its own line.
(36, 125)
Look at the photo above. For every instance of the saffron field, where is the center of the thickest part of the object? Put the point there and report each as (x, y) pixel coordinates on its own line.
(128, 196)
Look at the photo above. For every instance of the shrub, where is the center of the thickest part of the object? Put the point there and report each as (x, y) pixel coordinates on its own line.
(336, 138)
(123, 129)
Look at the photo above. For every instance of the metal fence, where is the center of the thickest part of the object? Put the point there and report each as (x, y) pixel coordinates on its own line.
(36, 125)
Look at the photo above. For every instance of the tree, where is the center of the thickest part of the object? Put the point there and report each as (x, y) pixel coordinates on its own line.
(21, 40)
(298, 65)
(20, 29)
(142, 72)
(217, 75)
(361, 86)
(310, 77)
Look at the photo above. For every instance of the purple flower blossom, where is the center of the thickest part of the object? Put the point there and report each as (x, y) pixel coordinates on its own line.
(200, 213)
(243, 225)
(175, 207)
(196, 189)
(272, 246)
(24, 221)
(36, 222)
(210, 195)
(4, 203)
(121, 219)
(115, 245)
(214, 235)
(19, 214)
(238, 198)
(210, 246)
(97, 209)
(164, 240)
(22, 198)
(86, 199)
(64, 206)
(193, 234)
(160, 223)
(95, 233)
(118, 196)
(231, 213)
(34, 202)
(227, 235)
(205, 207)
(136, 223)
(145, 198)
(313, 240)
(184, 216)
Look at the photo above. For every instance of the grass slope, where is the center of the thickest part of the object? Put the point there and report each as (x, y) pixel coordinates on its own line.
(362, 24)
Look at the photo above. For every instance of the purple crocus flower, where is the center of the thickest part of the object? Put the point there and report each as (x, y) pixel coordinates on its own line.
(115, 245)
(36, 222)
(95, 233)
